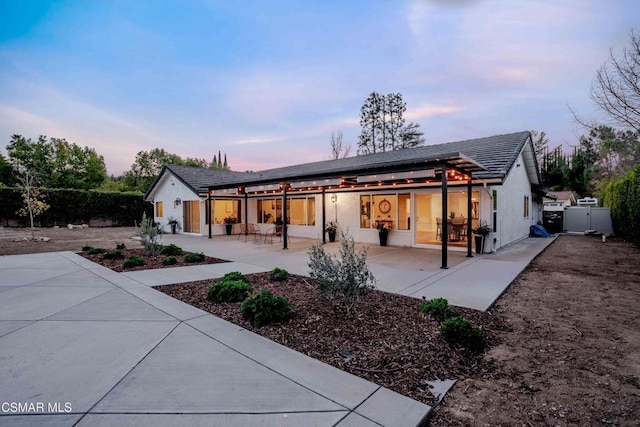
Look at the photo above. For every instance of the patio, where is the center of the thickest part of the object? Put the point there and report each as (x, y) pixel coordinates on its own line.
(469, 282)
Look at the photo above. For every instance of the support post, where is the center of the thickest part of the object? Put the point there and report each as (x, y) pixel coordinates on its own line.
(209, 211)
(444, 234)
(284, 214)
(324, 216)
(246, 215)
(469, 213)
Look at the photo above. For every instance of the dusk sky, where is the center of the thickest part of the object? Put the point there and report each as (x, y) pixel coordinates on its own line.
(266, 82)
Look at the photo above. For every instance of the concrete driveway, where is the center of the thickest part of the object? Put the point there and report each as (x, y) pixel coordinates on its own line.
(83, 345)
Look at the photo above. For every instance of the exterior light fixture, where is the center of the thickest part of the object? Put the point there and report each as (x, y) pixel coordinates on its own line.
(177, 202)
(334, 198)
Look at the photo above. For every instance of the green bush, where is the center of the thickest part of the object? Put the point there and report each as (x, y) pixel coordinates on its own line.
(457, 330)
(172, 250)
(121, 246)
(134, 261)
(194, 257)
(78, 206)
(234, 276)
(96, 251)
(86, 248)
(346, 276)
(622, 195)
(279, 274)
(170, 260)
(438, 308)
(265, 308)
(113, 255)
(229, 291)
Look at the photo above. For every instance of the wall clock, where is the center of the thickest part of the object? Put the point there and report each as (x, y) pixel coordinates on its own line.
(384, 206)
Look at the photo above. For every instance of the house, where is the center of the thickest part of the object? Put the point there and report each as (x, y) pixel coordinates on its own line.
(558, 200)
(493, 180)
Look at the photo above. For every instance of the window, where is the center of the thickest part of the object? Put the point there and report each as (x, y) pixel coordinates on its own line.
(159, 212)
(300, 210)
(221, 209)
(392, 210)
(526, 206)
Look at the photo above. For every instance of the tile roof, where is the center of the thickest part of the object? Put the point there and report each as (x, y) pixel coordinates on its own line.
(195, 178)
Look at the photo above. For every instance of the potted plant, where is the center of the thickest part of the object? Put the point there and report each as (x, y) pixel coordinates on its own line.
(331, 229)
(383, 233)
(480, 234)
(174, 224)
(228, 223)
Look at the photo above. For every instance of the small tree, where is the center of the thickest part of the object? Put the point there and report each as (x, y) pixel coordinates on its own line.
(151, 235)
(33, 201)
(346, 276)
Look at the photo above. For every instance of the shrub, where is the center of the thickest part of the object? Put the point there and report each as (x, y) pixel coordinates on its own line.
(134, 261)
(96, 251)
(194, 257)
(347, 277)
(121, 246)
(113, 255)
(235, 276)
(150, 234)
(457, 330)
(172, 250)
(86, 248)
(438, 308)
(170, 260)
(265, 308)
(229, 291)
(279, 274)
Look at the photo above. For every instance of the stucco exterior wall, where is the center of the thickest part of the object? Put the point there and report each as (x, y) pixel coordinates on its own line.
(167, 191)
(512, 224)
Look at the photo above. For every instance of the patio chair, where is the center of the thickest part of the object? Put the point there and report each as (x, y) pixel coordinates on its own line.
(246, 229)
(275, 231)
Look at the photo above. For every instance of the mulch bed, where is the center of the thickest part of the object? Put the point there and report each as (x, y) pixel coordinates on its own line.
(152, 263)
(386, 339)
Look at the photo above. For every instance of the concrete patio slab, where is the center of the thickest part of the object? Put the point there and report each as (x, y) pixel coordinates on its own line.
(208, 378)
(32, 303)
(389, 408)
(165, 303)
(75, 362)
(113, 305)
(8, 326)
(167, 276)
(356, 420)
(81, 278)
(326, 380)
(39, 420)
(215, 420)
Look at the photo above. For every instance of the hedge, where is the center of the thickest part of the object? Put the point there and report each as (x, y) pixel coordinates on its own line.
(77, 206)
(623, 197)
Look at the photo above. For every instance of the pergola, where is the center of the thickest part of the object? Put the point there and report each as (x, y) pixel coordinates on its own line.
(350, 176)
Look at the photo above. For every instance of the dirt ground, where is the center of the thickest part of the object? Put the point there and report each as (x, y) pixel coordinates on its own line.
(63, 239)
(572, 353)
(567, 351)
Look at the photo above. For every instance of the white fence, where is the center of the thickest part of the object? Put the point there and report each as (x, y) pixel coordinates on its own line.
(582, 218)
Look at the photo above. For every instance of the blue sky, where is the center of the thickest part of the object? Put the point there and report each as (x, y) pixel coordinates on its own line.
(268, 81)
